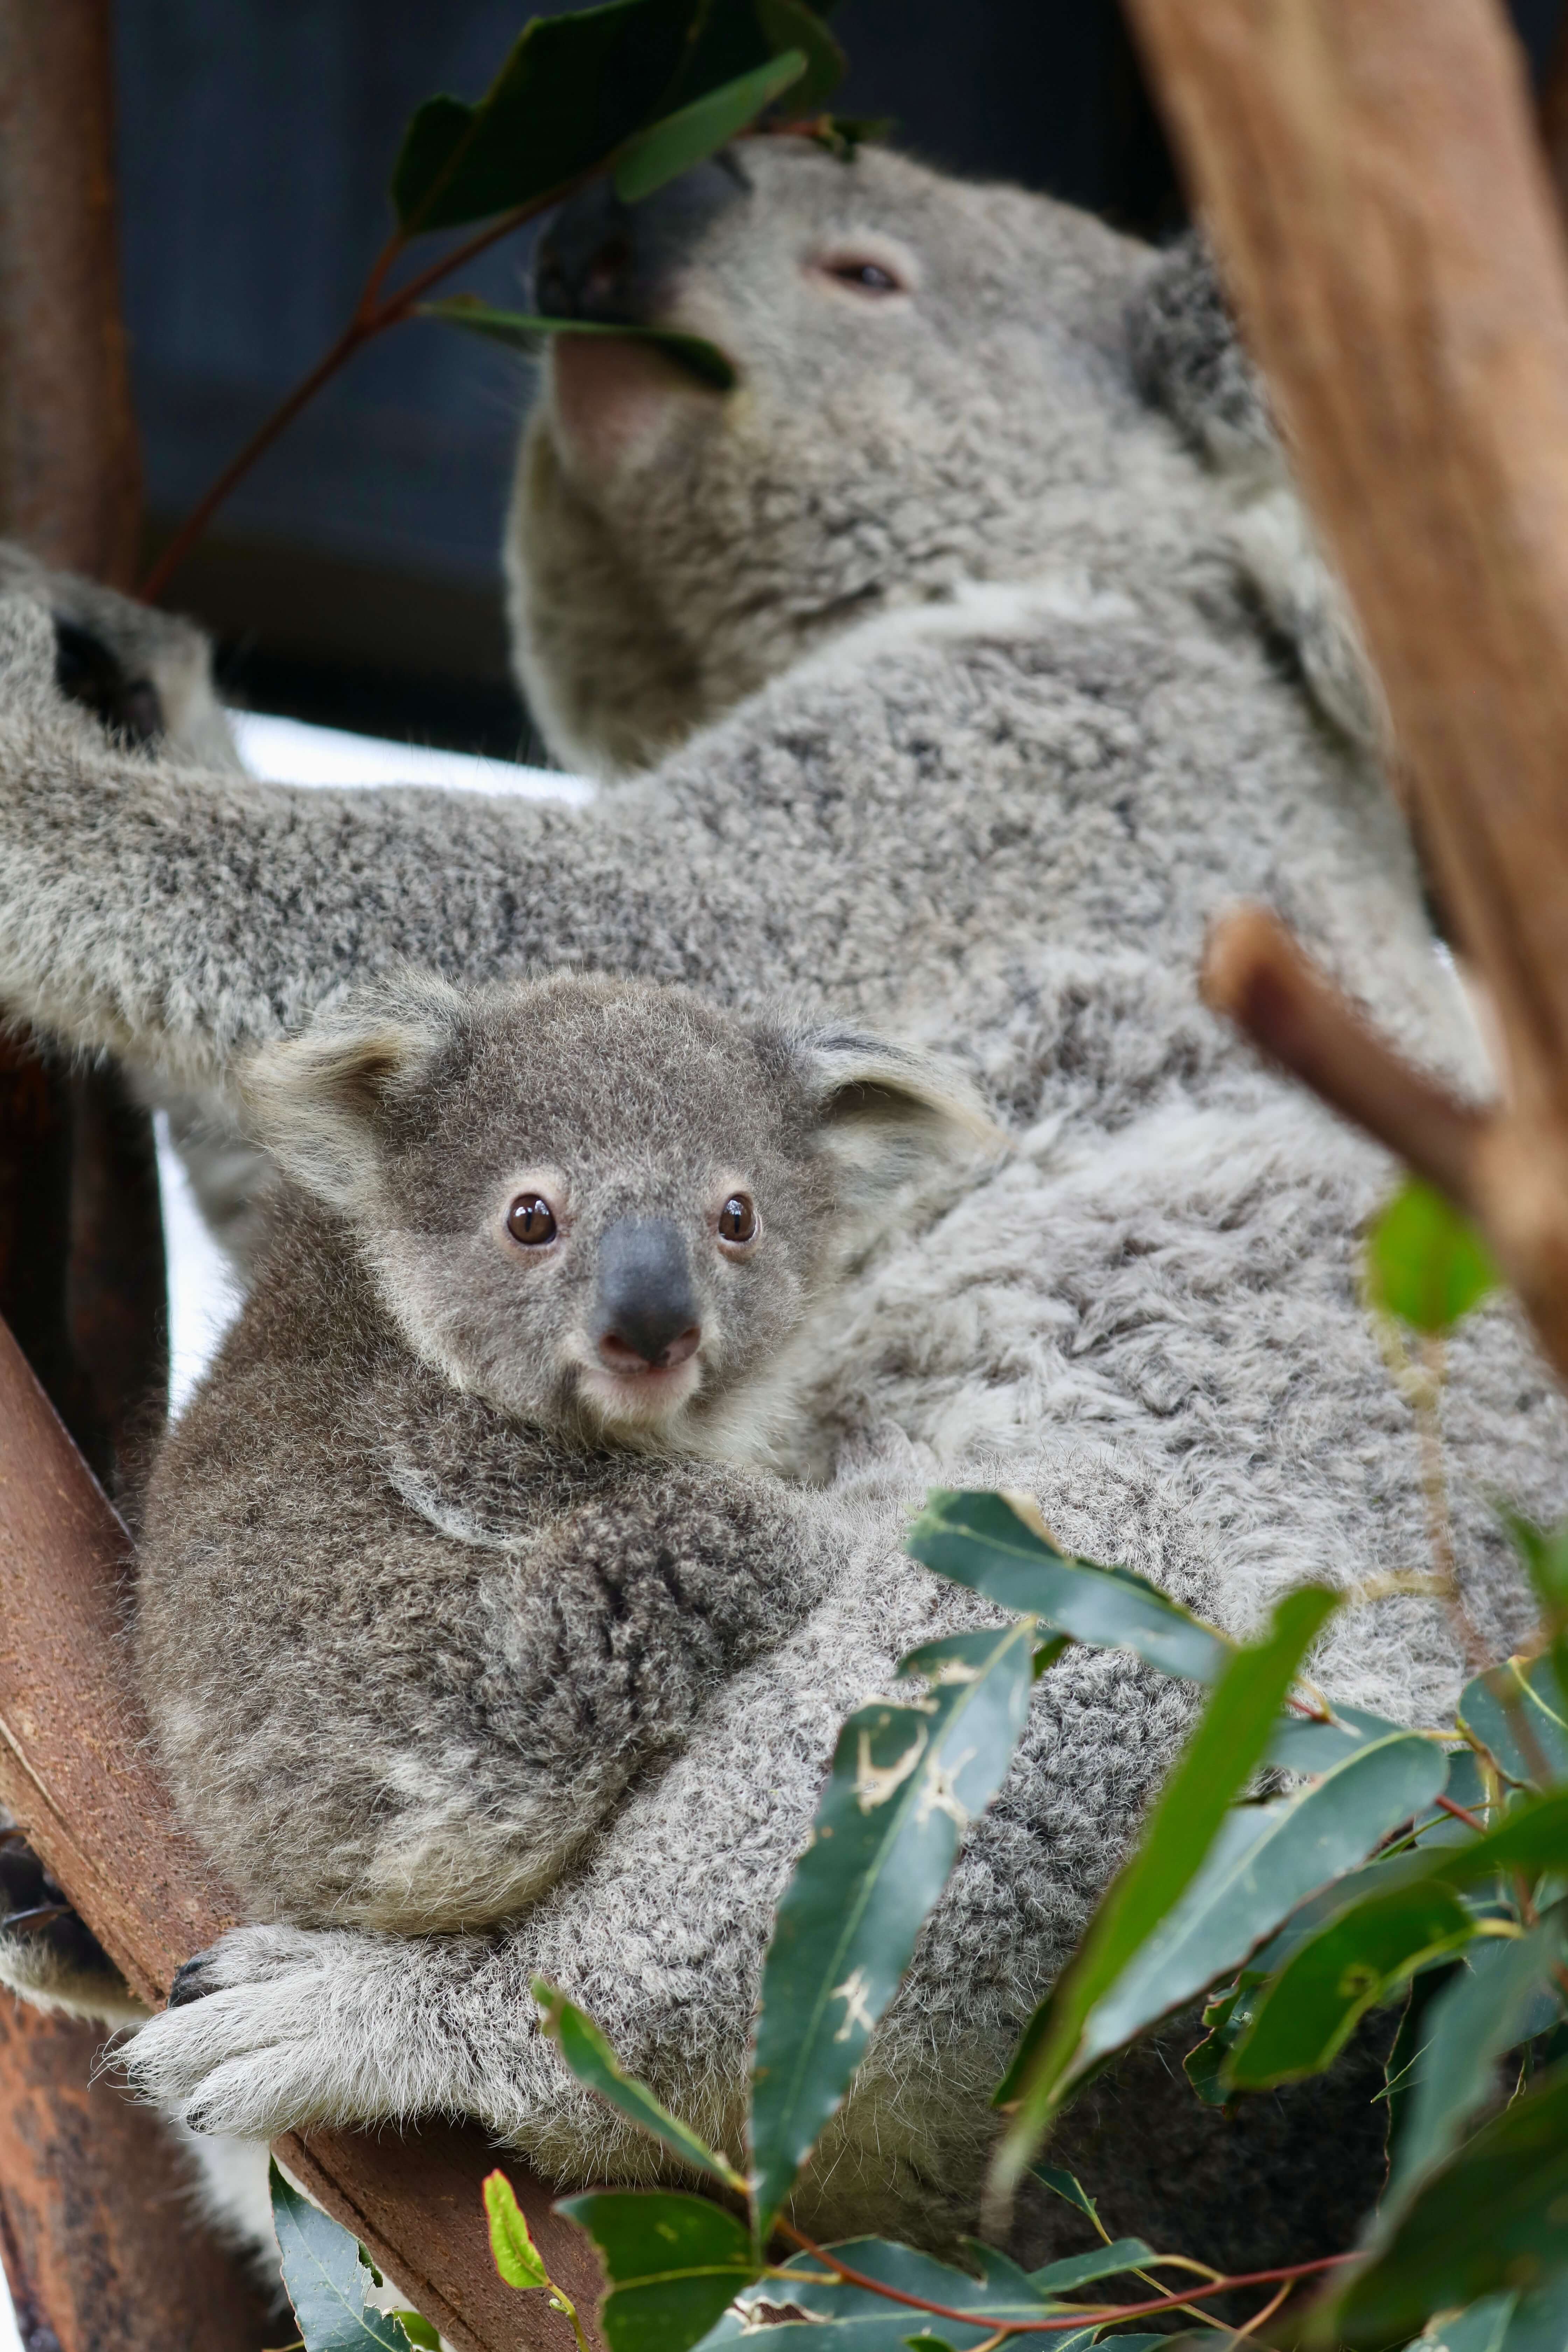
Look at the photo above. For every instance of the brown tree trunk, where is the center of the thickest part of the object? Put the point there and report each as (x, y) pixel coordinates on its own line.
(94, 2230)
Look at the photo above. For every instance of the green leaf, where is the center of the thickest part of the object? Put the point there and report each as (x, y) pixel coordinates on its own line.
(1265, 1860)
(1486, 2011)
(1303, 2018)
(1224, 1749)
(675, 2264)
(1495, 2217)
(1546, 1558)
(1482, 2328)
(668, 148)
(516, 2256)
(1533, 1838)
(981, 1541)
(845, 2318)
(1425, 1263)
(571, 90)
(526, 330)
(418, 2330)
(326, 2280)
(1103, 2262)
(906, 1783)
(1518, 1714)
(1067, 2185)
(591, 2059)
(1226, 2019)
(1304, 1743)
(791, 25)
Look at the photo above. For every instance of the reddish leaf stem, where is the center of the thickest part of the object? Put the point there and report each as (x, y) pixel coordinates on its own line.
(1088, 2317)
(1462, 1813)
(369, 319)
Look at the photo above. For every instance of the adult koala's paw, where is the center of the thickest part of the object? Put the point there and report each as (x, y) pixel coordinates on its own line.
(277, 2028)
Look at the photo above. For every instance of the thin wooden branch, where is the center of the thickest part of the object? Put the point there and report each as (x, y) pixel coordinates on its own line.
(75, 1772)
(1388, 229)
(1254, 971)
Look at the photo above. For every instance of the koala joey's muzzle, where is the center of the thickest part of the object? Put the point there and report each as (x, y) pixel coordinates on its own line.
(600, 259)
(647, 1311)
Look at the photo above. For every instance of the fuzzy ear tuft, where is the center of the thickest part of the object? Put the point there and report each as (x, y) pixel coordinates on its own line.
(320, 1102)
(890, 1113)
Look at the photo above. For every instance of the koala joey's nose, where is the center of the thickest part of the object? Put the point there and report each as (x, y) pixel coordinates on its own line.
(600, 259)
(647, 1308)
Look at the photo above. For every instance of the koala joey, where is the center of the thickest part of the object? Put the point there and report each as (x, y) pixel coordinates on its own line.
(467, 1520)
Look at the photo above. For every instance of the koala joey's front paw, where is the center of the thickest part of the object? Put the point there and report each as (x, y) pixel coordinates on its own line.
(275, 2028)
(47, 1955)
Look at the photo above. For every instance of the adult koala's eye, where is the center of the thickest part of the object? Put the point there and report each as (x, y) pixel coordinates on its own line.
(531, 1220)
(866, 277)
(738, 1221)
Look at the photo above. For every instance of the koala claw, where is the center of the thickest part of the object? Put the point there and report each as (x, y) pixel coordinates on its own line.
(190, 1981)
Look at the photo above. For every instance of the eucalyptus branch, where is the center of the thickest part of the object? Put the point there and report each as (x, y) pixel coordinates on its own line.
(1101, 2315)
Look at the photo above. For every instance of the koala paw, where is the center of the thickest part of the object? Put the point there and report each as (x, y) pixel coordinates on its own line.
(279, 2027)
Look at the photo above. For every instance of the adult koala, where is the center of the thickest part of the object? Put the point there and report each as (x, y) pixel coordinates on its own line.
(945, 703)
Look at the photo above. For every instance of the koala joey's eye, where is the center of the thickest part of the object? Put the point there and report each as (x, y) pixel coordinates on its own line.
(531, 1220)
(738, 1221)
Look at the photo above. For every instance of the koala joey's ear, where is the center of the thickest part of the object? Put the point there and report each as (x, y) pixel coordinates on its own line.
(320, 1102)
(888, 1112)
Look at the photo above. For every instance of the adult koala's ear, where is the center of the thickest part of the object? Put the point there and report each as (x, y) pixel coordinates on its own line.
(323, 1104)
(889, 1113)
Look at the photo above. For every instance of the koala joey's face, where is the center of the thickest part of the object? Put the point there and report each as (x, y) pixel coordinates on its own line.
(604, 1206)
(927, 369)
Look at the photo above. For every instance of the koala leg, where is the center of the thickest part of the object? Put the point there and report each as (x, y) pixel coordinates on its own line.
(279, 2027)
(47, 1955)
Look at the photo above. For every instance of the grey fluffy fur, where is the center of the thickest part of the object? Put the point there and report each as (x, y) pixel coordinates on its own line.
(982, 729)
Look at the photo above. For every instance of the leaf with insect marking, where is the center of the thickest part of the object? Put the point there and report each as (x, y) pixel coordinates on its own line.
(906, 1783)
(996, 1545)
(842, 2317)
(529, 330)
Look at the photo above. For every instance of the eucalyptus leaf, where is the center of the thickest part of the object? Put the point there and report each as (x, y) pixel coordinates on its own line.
(1425, 1263)
(594, 2063)
(675, 2264)
(1068, 2187)
(1482, 2328)
(906, 1782)
(1518, 1714)
(1546, 1558)
(1222, 1752)
(513, 2250)
(326, 2280)
(854, 2319)
(1492, 2218)
(791, 25)
(571, 90)
(1102, 2262)
(527, 330)
(980, 1539)
(1303, 2018)
(1305, 1743)
(1488, 2008)
(418, 2330)
(1265, 1860)
(693, 133)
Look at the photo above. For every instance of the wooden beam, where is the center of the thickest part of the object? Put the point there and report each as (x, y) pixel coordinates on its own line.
(75, 1771)
(1388, 226)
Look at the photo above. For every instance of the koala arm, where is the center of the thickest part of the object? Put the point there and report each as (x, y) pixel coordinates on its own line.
(490, 1695)
(108, 857)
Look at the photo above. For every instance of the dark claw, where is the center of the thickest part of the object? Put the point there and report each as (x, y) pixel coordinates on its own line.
(188, 1985)
(31, 1918)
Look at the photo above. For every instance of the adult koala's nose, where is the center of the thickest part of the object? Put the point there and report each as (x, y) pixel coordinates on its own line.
(600, 259)
(646, 1309)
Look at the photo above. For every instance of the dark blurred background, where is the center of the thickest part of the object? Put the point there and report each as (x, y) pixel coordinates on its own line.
(353, 577)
